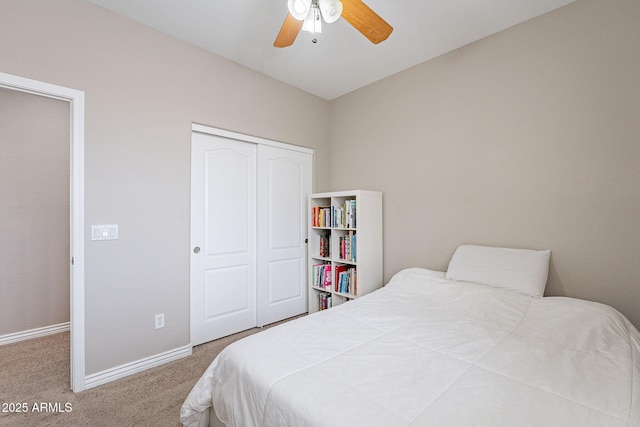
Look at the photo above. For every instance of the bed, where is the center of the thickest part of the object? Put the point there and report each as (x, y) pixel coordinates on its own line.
(433, 349)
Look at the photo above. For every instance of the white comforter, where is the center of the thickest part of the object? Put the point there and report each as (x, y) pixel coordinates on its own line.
(425, 351)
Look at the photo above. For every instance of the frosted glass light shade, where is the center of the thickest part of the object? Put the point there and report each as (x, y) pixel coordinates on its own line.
(299, 9)
(331, 10)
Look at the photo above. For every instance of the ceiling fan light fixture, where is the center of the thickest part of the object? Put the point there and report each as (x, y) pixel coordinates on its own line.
(331, 10)
(308, 15)
(313, 21)
(299, 9)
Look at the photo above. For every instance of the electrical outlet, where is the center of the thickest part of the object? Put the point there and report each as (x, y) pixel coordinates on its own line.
(159, 320)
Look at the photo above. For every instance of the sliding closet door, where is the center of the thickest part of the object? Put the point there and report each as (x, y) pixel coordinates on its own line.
(223, 237)
(284, 182)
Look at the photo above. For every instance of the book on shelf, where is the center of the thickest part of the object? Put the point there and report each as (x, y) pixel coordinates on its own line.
(326, 282)
(354, 282)
(321, 216)
(322, 276)
(344, 216)
(350, 207)
(346, 279)
(324, 249)
(348, 247)
(335, 216)
(324, 300)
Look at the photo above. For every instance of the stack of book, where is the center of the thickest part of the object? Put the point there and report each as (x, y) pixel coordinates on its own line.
(324, 249)
(324, 300)
(346, 280)
(321, 216)
(348, 247)
(334, 216)
(321, 276)
(345, 216)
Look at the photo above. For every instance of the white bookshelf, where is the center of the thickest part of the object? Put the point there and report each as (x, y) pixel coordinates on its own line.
(364, 261)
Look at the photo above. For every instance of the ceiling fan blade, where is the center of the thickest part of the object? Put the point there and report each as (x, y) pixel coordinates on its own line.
(289, 31)
(365, 20)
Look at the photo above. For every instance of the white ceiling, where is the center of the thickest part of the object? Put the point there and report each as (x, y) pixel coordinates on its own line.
(342, 60)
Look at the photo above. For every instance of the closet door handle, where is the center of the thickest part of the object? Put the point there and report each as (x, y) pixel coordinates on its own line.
(196, 249)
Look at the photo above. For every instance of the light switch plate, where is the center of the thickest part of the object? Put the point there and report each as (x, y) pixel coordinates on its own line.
(104, 232)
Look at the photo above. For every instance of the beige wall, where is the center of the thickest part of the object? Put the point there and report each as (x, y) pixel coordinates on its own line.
(143, 90)
(34, 211)
(528, 138)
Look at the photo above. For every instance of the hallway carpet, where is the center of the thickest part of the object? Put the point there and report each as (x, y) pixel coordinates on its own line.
(34, 374)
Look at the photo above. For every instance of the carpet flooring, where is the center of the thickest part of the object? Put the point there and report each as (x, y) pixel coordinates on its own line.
(36, 372)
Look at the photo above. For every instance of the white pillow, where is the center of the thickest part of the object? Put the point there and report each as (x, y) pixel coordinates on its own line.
(520, 270)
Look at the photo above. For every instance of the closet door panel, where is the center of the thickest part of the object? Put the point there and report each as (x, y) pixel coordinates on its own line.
(226, 291)
(283, 280)
(223, 237)
(248, 232)
(285, 186)
(284, 181)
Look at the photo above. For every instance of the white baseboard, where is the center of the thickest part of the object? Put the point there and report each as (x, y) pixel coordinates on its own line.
(127, 369)
(34, 333)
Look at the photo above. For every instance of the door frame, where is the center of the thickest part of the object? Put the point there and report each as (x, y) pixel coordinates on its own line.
(76, 238)
(198, 128)
(248, 138)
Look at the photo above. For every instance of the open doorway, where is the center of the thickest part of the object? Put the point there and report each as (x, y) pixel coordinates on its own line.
(73, 102)
(34, 190)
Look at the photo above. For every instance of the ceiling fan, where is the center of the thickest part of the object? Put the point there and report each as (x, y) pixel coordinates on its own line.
(308, 15)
